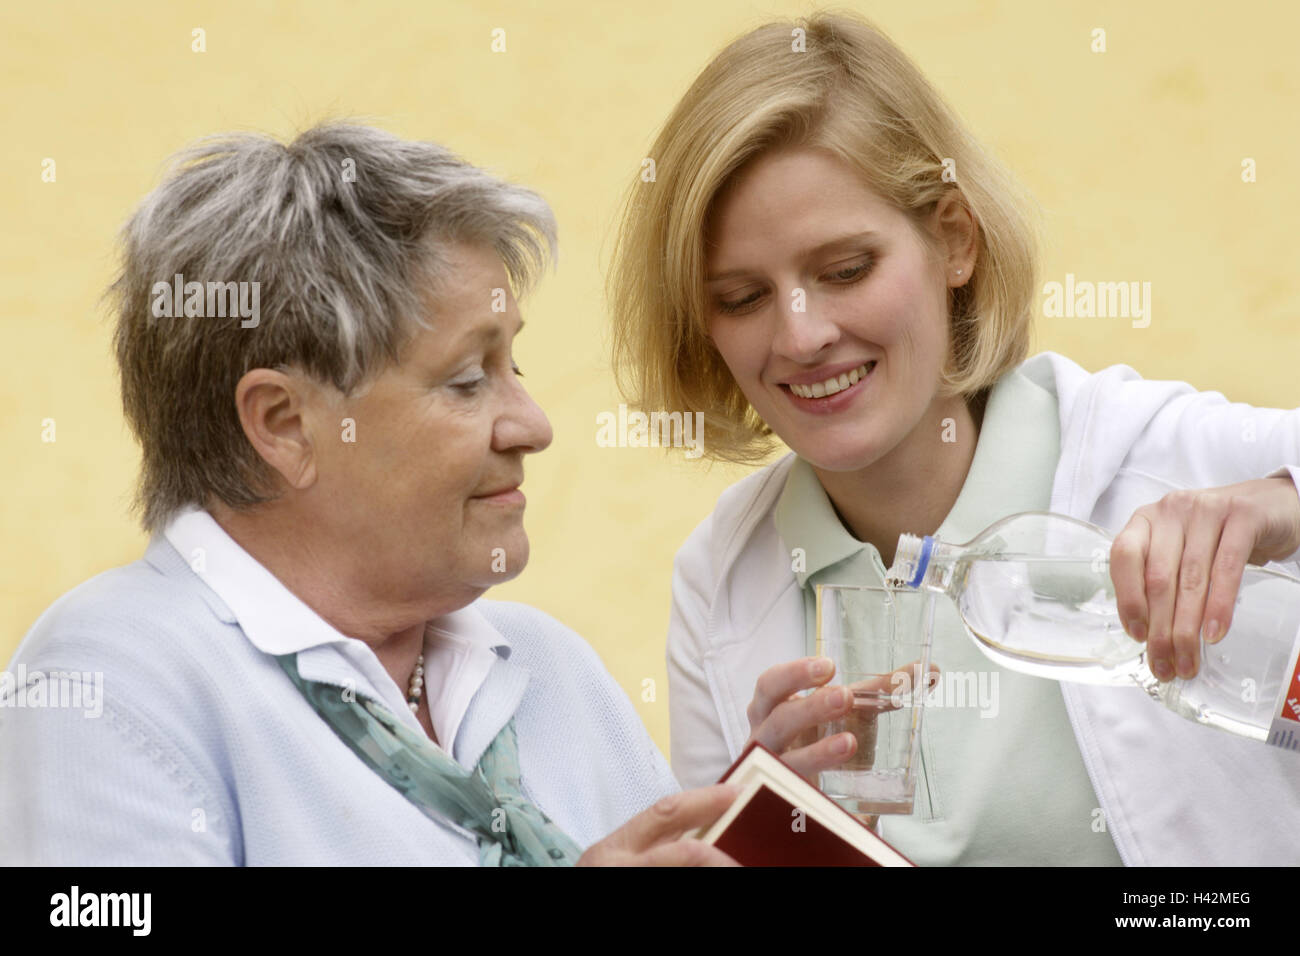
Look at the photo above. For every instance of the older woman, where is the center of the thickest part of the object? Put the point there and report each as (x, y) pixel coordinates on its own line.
(315, 352)
(828, 256)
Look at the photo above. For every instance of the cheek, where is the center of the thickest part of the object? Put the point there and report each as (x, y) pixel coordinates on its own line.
(729, 347)
(890, 305)
(452, 446)
(743, 347)
(906, 315)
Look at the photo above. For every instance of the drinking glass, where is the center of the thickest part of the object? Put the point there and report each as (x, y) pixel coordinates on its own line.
(879, 640)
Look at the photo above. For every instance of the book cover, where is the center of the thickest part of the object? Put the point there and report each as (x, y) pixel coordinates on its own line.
(780, 819)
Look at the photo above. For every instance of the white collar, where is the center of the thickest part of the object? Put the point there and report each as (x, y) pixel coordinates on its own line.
(460, 647)
(275, 619)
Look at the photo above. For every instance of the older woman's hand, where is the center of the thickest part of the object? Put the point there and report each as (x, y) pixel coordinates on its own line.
(653, 837)
(787, 723)
(1178, 564)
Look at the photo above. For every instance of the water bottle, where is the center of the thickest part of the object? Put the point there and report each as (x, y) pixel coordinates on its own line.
(1034, 592)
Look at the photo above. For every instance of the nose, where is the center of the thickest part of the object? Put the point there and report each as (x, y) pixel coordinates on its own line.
(802, 335)
(522, 426)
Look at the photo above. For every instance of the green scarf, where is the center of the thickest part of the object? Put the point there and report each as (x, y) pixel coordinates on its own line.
(487, 801)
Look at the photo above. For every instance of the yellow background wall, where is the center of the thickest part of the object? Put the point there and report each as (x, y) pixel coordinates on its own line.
(1135, 153)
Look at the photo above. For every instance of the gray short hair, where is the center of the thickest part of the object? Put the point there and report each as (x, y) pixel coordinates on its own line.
(343, 230)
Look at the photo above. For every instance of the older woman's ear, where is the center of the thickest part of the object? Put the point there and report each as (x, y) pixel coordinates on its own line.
(275, 411)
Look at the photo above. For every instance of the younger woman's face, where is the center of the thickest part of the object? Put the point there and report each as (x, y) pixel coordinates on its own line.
(826, 307)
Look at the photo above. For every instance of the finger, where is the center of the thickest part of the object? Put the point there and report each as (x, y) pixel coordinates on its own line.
(779, 682)
(1128, 559)
(898, 685)
(1201, 541)
(877, 694)
(684, 853)
(1235, 545)
(833, 751)
(672, 816)
(791, 730)
(1161, 578)
(792, 718)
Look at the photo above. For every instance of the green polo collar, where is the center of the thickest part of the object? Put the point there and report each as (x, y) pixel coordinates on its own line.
(1018, 447)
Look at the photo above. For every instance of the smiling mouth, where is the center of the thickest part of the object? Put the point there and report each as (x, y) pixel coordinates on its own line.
(832, 386)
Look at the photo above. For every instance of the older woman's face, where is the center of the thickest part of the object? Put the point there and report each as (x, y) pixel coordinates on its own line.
(813, 277)
(429, 491)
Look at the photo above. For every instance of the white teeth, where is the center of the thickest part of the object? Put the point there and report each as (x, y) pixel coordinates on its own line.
(831, 385)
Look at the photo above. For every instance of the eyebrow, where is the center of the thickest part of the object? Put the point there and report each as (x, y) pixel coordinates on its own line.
(831, 245)
(487, 332)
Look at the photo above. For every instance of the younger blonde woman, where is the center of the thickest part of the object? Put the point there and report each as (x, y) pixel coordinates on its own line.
(828, 257)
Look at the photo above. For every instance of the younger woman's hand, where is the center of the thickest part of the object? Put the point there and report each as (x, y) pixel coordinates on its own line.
(1178, 563)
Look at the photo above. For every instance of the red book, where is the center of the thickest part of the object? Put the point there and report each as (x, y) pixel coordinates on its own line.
(780, 819)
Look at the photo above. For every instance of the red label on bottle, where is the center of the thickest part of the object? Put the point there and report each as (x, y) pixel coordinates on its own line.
(1291, 698)
(1285, 729)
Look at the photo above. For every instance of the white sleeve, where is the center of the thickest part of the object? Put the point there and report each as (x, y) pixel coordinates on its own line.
(1207, 441)
(698, 748)
(1210, 441)
(103, 790)
(1292, 472)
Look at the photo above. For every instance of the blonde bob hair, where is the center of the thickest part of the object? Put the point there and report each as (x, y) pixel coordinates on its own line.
(835, 81)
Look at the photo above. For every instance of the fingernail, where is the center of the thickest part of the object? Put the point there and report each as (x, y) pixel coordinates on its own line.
(837, 698)
(820, 667)
(1184, 666)
(841, 745)
(1163, 670)
(1211, 632)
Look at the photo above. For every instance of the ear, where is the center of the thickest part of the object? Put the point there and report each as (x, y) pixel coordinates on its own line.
(274, 411)
(952, 224)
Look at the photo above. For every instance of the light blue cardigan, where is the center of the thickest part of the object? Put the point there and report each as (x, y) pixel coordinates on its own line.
(202, 752)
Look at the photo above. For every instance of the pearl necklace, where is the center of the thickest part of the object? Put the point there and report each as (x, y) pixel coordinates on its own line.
(416, 688)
